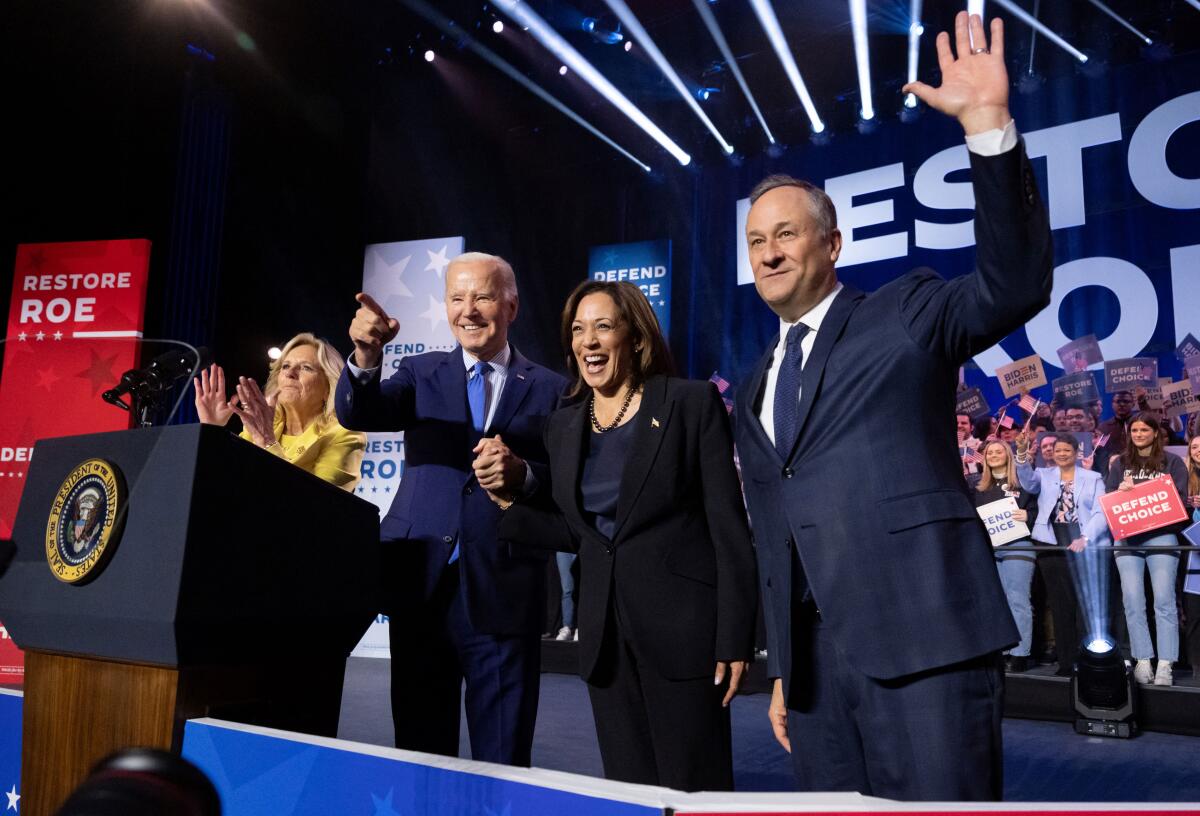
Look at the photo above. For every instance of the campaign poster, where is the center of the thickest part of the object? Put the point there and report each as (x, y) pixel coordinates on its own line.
(645, 264)
(74, 326)
(1191, 367)
(1188, 347)
(1079, 354)
(1130, 373)
(1179, 399)
(1001, 526)
(1076, 390)
(1148, 506)
(970, 401)
(1022, 375)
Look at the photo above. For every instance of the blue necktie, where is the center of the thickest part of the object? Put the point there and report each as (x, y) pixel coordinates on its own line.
(477, 400)
(787, 392)
(477, 395)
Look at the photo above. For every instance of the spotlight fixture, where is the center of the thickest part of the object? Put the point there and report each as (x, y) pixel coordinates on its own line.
(608, 36)
(274, 353)
(498, 26)
(562, 70)
(429, 55)
(629, 45)
(1102, 692)
(704, 93)
(867, 126)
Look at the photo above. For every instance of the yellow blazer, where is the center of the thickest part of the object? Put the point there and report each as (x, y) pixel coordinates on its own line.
(324, 449)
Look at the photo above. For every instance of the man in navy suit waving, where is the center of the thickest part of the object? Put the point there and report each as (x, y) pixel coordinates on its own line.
(885, 616)
(463, 607)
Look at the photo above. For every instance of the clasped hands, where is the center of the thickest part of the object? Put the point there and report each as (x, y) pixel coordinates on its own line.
(498, 470)
(256, 412)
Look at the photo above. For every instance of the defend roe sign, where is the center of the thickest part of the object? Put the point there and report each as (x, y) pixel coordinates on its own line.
(1146, 507)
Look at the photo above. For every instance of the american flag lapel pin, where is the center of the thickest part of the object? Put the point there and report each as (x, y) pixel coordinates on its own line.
(520, 376)
(654, 422)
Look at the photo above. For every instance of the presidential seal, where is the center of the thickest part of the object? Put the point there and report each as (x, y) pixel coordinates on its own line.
(85, 521)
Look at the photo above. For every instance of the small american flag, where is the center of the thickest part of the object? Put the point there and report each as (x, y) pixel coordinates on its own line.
(972, 457)
(1006, 421)
(722, 385)
(1102, 441)
(1028, 404)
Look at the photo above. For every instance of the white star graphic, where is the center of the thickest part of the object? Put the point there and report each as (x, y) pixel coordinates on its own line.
(22, 336)
(13, 798)
(58, 335)
(383, 276)
(437, 260)
(40, 336)
(435, 313)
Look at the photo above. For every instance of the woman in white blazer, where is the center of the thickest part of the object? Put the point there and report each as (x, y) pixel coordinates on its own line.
(1069, 516)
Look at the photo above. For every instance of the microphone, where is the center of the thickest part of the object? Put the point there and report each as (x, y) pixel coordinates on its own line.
(146, 383)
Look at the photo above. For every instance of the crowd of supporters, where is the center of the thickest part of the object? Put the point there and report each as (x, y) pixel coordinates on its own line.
(1056, 461)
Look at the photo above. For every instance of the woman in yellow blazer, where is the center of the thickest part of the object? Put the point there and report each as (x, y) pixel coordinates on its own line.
(292, 415)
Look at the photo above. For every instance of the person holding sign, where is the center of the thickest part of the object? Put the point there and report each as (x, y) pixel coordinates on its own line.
(1144, 459)
(1069, 516)
(884, 613)
(292, 416)
(999, 482)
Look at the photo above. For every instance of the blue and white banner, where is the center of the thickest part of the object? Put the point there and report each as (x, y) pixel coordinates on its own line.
(645, 264)
(263, 772)
(408, 279)
(11, 703)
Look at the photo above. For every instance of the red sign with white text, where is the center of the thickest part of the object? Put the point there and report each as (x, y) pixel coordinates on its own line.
(1148, 506)
(73, 328)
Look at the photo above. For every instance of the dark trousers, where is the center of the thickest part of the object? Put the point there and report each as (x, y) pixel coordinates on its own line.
(931, 736)
(656, 731)
(434, 649)
(1061, 598)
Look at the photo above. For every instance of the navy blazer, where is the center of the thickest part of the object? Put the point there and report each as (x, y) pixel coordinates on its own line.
(872, 495)
(438, 500)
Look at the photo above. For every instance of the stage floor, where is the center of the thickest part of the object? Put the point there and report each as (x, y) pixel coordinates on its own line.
(1043, 761)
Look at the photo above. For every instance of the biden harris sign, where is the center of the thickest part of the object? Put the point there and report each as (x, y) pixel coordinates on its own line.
(645, 264)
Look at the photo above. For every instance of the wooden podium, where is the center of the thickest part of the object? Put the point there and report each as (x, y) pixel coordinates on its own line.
(237, 587)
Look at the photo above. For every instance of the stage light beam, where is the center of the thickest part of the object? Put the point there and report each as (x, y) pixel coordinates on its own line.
(770, 23)
(1027, 18)
(915, 30)
(714, 30)
(1122, 21)
(635, 28)
(446, 25)
(523, 15)
(862, 57)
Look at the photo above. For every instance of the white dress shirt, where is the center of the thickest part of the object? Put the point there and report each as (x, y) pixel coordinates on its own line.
(813, 319)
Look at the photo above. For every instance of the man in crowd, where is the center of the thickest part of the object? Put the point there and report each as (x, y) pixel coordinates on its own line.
(1076, 419)
(462, 606)
(884, 612)
(1115, 428)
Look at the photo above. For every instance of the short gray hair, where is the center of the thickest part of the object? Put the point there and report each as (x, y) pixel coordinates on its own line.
(820, 206)
(508, 280)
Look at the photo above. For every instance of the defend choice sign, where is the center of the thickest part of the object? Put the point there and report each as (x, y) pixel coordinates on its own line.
(998, 518)
(970, 401)
(645, 264)
(1146, 507)
(1025, 374)
(1130, 373)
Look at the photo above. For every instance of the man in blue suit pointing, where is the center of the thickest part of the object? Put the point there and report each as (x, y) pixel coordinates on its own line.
(885, 616)
(463, 606)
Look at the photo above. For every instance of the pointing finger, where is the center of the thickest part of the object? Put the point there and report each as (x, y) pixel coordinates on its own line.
(366, 300)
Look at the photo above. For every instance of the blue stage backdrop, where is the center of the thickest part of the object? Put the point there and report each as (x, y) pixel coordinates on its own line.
(1118, 159)
(645, 264)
